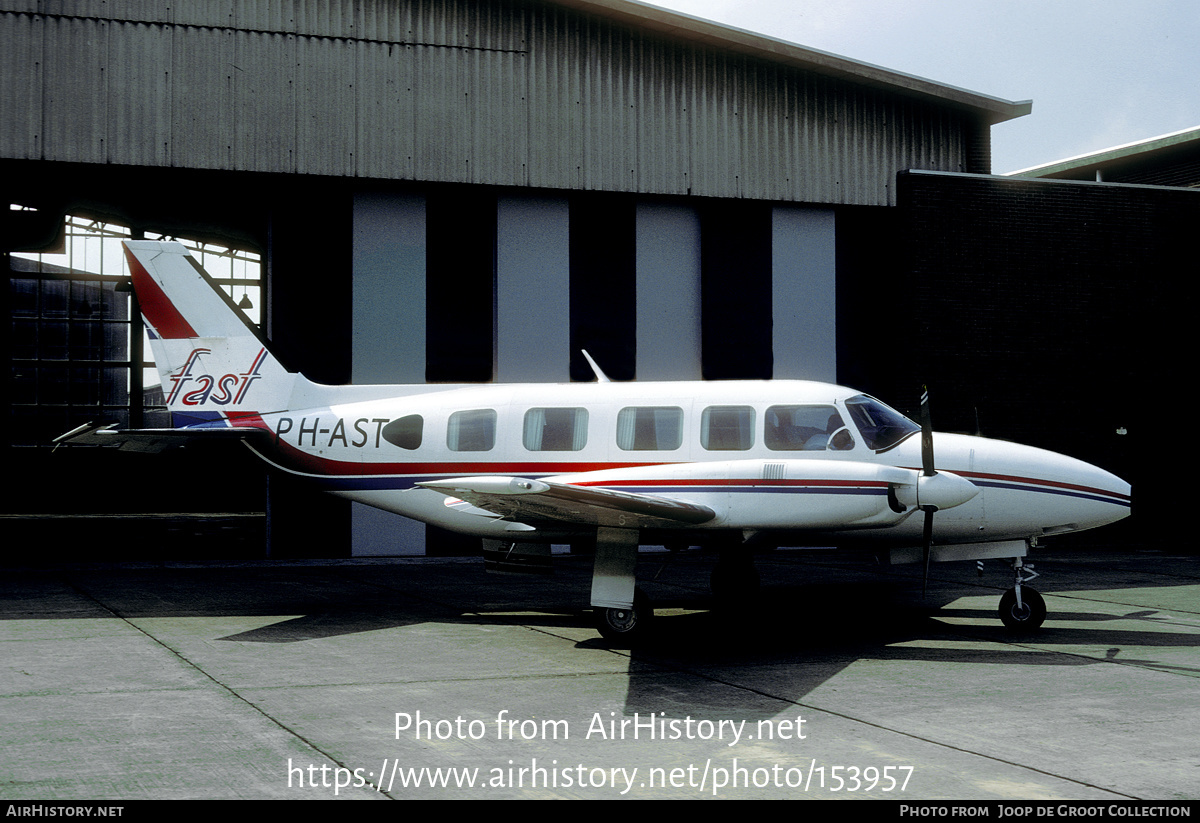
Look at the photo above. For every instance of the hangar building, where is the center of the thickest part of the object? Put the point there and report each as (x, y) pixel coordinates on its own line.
(474, 190)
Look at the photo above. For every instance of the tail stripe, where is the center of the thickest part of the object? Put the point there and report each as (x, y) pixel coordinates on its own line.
(156, 307)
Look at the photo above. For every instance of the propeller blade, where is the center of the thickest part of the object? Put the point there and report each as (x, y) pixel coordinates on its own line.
(927, 470)
(927, 548)
(926, 435)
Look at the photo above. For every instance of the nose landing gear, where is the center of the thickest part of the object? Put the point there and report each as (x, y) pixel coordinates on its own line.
(1022, 609)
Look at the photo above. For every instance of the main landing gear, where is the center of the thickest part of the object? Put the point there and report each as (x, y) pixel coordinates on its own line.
(623, 613)
(626, 626)
(1022, 609)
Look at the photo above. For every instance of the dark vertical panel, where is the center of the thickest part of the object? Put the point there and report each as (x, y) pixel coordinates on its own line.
(460, 242)
(309, 296)
(874, 306)
(603, 285)
(735, 273)
(461, 245)
(308, 320)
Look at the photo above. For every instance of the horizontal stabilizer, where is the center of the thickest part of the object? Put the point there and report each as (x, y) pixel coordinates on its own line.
(528, 500)
(149, 440)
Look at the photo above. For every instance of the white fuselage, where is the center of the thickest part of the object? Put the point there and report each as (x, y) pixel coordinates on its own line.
(717, 444)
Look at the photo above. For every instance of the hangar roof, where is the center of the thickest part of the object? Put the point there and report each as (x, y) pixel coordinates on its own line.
(697, 30)
(1169, 159)
(570, 95)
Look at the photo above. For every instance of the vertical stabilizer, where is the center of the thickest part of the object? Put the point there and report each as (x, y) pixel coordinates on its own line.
(212, 363)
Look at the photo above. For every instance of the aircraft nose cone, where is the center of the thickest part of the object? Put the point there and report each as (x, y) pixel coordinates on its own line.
(1110, 489)
(1059, 493)
(1105, 496)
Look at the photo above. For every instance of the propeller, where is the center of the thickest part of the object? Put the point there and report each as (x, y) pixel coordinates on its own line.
(927, 470)
(932, 491)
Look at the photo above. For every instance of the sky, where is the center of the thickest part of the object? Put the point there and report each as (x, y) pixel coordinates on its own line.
(1101, 73)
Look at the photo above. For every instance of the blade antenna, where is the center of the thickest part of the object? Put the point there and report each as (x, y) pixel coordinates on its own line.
(601, 377)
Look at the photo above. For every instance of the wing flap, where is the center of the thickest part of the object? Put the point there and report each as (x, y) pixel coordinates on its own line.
(528, 500)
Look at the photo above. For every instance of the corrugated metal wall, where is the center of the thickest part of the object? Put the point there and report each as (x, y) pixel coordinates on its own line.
(497, 92)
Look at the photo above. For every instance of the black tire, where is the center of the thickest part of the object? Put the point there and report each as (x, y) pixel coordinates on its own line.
(1027, 619)
(626, 627)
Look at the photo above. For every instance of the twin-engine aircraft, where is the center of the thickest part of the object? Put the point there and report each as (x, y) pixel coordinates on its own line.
(733, 464)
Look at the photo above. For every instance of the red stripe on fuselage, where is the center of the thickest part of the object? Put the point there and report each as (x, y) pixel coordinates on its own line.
(298, 460)
(1054, 484)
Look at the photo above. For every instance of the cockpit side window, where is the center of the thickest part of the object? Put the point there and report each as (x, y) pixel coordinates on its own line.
(806, 428)
(880, 426)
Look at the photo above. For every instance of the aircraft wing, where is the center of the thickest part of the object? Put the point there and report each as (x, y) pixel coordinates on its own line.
(527, 500)
(148, 440)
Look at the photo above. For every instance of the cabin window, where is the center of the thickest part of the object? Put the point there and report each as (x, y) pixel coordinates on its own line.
(555, 430)
(405, 432)
(472, 431)
(806, 428)
(650, 428)
(727, 428)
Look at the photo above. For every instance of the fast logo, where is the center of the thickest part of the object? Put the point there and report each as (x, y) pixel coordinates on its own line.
(200, 389)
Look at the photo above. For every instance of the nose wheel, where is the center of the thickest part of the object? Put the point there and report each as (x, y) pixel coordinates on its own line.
(1022, 609)
(1025, 615)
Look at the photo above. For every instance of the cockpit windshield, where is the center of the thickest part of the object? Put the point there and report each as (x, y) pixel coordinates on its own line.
(881, 426)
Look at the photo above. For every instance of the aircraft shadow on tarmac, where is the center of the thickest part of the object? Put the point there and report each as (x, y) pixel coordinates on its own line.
(810, 621)
(834, 617)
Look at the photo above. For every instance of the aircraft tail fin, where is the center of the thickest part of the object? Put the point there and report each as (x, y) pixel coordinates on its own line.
(212, 362)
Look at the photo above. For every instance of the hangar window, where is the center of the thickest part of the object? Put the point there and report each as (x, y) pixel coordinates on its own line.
(727, 428)
(806, 428)
(650, 428)
(555, 430)
(79, 353)
(472, 431)
(405, 432)
(881, 426)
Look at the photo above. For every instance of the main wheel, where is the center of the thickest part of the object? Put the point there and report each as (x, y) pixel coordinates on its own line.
(626, 626)
(1027, 617)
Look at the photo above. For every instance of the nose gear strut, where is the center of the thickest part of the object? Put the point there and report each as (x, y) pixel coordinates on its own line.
(1022, 609)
